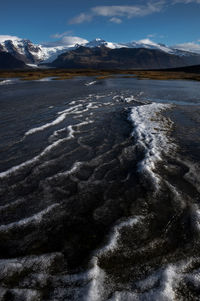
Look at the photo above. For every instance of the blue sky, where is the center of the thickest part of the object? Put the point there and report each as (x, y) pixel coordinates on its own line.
(166, 21)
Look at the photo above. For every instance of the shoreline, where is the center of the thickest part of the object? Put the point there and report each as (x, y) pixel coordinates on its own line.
(62, 74)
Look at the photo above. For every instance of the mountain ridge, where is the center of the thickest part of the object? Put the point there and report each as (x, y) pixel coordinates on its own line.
(31, 54)
(8, 61)
(120, 58)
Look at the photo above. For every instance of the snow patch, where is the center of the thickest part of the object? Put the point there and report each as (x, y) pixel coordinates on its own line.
(150, 132)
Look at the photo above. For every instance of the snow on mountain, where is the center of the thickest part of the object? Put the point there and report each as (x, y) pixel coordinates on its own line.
(99, 42)
(30, 53)
(49, 54)
(51, 50)
(147, 43)
(23, 50)
(7, 37)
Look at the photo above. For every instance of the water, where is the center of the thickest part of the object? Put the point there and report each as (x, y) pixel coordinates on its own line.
(99, 190)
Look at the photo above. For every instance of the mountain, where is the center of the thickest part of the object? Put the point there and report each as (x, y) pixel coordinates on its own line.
(99, 42)
(123, 58)
(190, 58)
(8, 61)
(23, 50)
(31, 54)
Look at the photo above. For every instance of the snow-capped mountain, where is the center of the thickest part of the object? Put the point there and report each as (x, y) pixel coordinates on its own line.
(30, 53)
(23, 50)
(146, 43)
(99, 42)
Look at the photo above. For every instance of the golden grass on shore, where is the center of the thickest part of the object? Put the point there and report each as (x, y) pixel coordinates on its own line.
(61, 74)
(167, 75)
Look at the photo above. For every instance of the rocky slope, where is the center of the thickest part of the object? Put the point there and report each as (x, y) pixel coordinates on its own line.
(31, 53)
(23, 50)
(8, 61)
(123, 58)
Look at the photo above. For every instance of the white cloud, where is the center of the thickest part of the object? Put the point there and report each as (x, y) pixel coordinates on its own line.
(71, 40)
(81, 18)
(60, 35)
(127, 11)
(115, 12)
(146, 41)
(186, 1)
(189, 46)
(68, 41)
(6, 37)
(115, 20)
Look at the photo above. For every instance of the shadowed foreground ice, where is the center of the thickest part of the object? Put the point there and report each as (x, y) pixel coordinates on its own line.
(98, 200)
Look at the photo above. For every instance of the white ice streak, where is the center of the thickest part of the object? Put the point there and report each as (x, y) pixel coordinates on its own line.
(113, 239)
(164, 292)
(94, 278)
(71, 109)
(84, 123)
(56, 133)
(12, 205)
(76, 110)
(100, 96)
(192, 176)
(38, 157)
(22, 294)
(96, 287)
(195, 218)
(150, 133)
(90, 83)
(38, 264)
(59, 119)
(35, 219)
(163, 283)
(130, 99)
(71, 132)
(8, 82)
(47, 125)
(45, 79)
(74, 168)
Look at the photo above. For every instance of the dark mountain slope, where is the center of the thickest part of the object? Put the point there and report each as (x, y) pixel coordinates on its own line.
(123, 58)
(7, 61)
(187, 69)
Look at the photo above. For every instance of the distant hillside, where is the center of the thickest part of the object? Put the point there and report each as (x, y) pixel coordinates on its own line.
(121, 58)
(188, 69)
(7, 61)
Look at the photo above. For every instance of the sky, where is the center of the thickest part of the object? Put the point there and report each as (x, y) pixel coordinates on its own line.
(172, 22)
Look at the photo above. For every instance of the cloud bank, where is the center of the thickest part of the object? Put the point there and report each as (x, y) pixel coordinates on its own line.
(186, 1)
(116, 12)
(189, 46)
(7, 37)
(68, 41)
